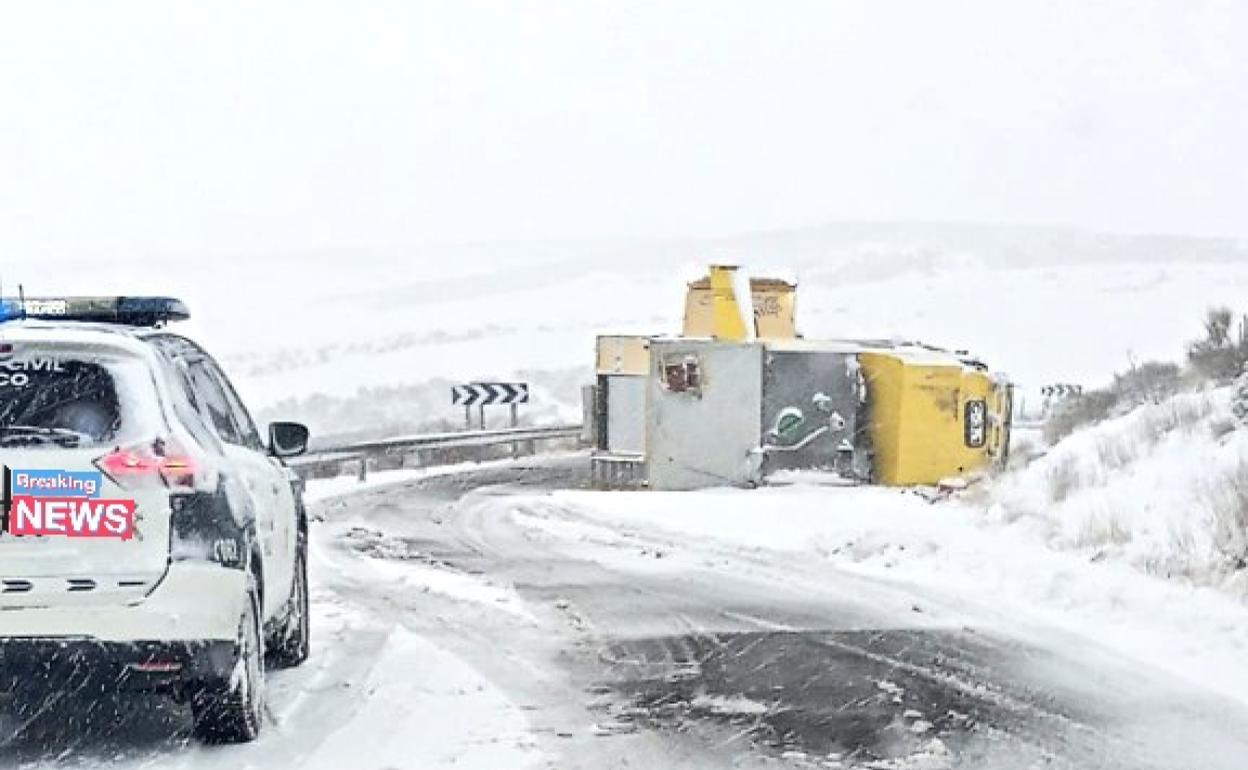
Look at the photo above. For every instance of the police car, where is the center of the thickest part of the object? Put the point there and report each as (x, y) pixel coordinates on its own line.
(150, 536)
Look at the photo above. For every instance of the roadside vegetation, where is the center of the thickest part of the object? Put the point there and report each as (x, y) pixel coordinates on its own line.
(1214, 359)
(1151, 470)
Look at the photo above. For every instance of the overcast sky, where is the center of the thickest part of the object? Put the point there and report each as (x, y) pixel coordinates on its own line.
(171, 128)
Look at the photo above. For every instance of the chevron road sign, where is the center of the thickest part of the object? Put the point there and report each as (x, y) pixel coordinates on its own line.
(487, 393)
(1062, 390)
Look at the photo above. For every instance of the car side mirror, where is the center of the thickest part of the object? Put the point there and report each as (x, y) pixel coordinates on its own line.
(287, 439)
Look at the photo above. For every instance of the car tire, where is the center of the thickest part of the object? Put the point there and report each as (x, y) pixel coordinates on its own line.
(293, 642)
(231, 710)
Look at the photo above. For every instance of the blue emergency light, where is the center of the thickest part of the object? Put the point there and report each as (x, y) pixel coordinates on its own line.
(127, 311)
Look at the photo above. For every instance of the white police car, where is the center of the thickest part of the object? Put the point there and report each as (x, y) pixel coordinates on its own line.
(150, 537)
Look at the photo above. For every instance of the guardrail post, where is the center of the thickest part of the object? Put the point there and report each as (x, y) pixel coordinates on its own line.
(515, 421)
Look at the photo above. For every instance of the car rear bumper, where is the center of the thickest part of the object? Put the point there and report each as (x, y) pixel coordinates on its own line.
(194, 602)
(35, 667)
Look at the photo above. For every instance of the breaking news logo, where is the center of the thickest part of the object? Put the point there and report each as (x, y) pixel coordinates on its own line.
(54, 503)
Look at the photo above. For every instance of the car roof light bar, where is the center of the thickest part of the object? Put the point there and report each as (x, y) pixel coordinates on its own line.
(127, 311)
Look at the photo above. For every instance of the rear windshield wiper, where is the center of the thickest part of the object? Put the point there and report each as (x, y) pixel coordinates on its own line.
(18, 434)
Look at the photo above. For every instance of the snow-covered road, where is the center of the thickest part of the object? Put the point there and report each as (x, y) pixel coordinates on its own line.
(472, 620)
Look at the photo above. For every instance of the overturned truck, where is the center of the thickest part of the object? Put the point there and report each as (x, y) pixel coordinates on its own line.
(688, 412)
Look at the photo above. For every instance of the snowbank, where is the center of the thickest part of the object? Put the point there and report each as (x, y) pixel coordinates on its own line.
(1163, 489)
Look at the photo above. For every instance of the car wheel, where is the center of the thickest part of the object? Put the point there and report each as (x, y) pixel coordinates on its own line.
(230, 710)
(293, 642)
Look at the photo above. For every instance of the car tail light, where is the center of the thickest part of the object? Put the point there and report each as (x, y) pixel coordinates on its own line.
(143, 466)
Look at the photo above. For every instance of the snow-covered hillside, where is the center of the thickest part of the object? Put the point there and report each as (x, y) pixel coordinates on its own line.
(1163, 489)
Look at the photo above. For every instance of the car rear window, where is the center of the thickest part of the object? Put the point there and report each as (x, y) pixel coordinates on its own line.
(59, 401)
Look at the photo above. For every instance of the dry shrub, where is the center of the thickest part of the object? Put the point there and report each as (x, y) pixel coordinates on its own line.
(1221, 354)
(1148, 383)
(1103, 530)
(1226, 497)
(1186, 414)
(1115, 452)
(1178, 559)
(1087, 409)
(1221, 427)
(1064, 478)
(1151, 382)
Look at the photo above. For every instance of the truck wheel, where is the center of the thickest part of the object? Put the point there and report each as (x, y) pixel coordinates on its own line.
(293, 641)
(230, 710)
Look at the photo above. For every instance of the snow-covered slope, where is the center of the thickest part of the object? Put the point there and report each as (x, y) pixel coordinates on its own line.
(1163, 489)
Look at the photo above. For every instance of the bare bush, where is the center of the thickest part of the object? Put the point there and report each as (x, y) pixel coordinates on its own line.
(1179, 559)
(1148, 383)
(1189, 412)
(1064, 478)
(1222, 427)
(1177, 414)
(1226, 497)
(1221, 354)
(1239, 399)
(1103, 530)
(1114, 452)
(1087, 409)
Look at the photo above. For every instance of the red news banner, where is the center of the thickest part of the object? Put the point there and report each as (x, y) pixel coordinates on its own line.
(56, 503)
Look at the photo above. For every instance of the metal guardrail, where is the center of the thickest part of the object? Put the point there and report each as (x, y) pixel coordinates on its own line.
(364, 451)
